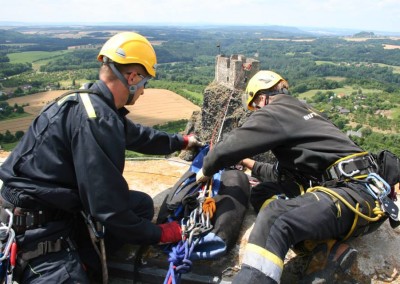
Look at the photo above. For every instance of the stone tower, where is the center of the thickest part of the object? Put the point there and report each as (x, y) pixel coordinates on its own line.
(234, 71)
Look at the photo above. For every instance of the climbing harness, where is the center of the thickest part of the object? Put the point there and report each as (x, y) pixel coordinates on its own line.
(360, 169)
(8, 250)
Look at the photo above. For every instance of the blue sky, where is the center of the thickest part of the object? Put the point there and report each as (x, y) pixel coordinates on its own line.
(363, 15)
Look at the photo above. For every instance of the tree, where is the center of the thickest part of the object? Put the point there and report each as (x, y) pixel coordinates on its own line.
(8, 137)
(19, 134)
(18, 91)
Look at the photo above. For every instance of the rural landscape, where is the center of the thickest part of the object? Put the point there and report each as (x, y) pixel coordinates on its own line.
(352, 78)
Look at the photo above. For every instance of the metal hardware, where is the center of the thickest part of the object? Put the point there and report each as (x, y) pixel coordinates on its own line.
(340, 164)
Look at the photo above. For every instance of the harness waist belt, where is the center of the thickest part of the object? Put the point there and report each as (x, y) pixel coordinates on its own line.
(26, 219)
(351, 168)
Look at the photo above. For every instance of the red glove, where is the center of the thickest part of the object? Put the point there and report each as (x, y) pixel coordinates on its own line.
(190, 141)
(170, 232)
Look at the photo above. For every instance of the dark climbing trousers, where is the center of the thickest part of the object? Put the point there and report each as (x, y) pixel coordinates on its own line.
(72, 265)
(285, 223)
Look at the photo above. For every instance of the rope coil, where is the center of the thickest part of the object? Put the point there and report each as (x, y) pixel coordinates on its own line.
(179, 261)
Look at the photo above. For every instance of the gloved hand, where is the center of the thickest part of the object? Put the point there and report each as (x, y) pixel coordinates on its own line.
(200, 177)
(170, 232)
(190, 141)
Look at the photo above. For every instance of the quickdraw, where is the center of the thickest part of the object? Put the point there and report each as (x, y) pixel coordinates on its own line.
(8, 247)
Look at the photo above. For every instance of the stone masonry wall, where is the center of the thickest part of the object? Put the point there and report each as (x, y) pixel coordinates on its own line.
(234, 71)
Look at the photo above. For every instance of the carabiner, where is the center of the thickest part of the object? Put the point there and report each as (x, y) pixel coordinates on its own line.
(343, 172)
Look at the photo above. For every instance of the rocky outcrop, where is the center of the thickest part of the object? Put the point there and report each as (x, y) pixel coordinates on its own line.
(222, 111)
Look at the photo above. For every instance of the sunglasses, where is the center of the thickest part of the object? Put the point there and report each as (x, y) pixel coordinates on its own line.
(143, 82)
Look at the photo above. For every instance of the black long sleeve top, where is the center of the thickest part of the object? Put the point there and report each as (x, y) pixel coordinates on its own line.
(302, 140)
(73, 157)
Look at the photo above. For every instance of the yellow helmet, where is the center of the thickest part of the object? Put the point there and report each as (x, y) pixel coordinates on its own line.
(130, 47)
(262, 80)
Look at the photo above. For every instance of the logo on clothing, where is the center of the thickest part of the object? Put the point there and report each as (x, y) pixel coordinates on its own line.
(309, 116)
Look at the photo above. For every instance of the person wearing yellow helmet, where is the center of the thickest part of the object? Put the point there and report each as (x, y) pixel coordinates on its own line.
(130, 54)
(129, 48)
(70, 163)
(263, 85)
(312, 190)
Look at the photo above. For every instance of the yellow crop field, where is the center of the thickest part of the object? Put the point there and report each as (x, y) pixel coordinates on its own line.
(155, 106)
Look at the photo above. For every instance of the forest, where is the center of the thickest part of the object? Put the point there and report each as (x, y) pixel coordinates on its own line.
(364, 71)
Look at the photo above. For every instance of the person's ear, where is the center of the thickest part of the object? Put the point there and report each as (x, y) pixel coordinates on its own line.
(131, 77)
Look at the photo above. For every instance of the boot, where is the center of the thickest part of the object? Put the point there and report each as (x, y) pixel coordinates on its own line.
(328, 261)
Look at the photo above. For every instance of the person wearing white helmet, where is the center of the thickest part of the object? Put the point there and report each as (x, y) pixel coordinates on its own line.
(70, 164)
(313, 198)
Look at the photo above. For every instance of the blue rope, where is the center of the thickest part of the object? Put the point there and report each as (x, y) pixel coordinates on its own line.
(180, 262)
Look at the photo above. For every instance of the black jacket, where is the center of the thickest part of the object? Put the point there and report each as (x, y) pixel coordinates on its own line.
(302, 140)
(73, 157)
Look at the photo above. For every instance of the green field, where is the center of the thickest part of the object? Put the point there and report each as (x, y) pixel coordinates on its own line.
(190, 94)
(335, 78)
(345, 90)
(396, 69)
(396, 112)
(37, 58)
(319, 62)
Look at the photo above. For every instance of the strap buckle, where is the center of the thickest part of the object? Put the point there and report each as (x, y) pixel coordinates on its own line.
(99, 234)
(26, 219)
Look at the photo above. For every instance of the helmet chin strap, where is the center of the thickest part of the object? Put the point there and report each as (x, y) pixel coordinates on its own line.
(277, 92)
(132, 89)
(273, 93)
